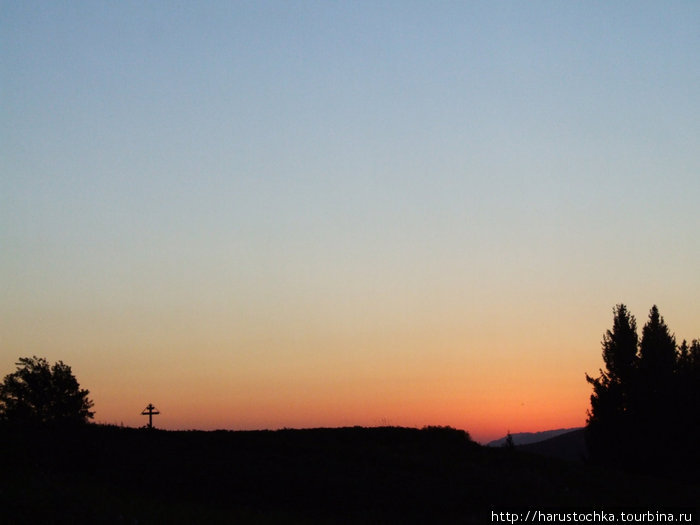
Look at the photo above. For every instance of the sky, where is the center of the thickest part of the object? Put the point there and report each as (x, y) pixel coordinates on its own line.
(302, 214)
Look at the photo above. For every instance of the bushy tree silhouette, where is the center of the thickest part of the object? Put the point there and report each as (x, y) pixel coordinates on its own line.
(37, 393)
(644, 408)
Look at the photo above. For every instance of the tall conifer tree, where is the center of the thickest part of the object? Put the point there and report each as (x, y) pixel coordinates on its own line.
(657, 350)
(610, 418)
(660, 419)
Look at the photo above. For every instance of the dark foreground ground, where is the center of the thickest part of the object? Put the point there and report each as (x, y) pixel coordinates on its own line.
(101, 474)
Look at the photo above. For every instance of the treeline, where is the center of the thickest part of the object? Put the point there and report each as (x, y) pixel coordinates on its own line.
(645, 406)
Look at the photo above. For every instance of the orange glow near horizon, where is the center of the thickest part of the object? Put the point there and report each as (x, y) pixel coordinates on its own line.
(471, 375)
(485, 393)
(489, 420)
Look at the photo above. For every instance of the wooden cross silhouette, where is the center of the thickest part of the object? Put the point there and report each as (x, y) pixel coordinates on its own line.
(150, 411)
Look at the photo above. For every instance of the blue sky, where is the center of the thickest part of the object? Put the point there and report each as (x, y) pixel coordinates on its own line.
(370, 168)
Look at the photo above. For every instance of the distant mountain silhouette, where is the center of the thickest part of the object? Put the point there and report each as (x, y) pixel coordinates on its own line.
(526, 438)
(570, 446)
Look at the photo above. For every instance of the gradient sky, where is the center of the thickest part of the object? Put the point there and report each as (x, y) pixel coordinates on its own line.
(270, 214)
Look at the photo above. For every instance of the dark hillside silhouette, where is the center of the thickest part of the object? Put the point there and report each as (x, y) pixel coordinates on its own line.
(570, 446)
(525, 438)
(100, 474)
(645, 410)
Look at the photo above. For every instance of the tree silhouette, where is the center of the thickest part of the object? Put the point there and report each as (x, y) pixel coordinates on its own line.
(612, 401)
(657, 355)
(645, 407)
(509, 443)
(37, 393)
(658, 418)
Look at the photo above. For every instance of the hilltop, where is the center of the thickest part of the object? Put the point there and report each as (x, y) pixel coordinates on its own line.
(570, 446)
(525, 438)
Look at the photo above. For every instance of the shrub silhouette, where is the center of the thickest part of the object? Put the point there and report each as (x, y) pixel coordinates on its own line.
(37, 393)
